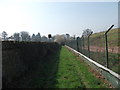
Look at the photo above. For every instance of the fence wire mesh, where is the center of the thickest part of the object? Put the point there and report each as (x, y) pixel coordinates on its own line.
(97, 49)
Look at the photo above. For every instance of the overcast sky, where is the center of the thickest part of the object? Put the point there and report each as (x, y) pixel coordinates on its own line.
(57, 17)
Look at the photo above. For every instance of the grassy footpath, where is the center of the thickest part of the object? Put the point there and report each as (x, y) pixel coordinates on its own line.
(72, 73)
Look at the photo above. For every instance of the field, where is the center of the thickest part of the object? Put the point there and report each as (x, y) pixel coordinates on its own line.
(99, 38)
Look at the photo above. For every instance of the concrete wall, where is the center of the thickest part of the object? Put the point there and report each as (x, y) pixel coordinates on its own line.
(21, 58)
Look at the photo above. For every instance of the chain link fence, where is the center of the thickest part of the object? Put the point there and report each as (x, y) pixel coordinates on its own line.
(95, 48)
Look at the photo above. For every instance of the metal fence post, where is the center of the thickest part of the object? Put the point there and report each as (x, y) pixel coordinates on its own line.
(107, 46)
(77, 44)
(89, 44)
(83, 44)
(80, 45)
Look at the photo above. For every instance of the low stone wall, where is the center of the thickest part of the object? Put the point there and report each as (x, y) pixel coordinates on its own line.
(21, 58)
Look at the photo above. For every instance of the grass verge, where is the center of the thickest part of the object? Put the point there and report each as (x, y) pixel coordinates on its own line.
(72, 73)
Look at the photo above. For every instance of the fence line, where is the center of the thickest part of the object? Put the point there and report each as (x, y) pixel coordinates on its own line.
(111, 76)
(97, 48)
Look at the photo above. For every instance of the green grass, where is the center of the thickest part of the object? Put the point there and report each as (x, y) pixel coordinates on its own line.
(72, 73)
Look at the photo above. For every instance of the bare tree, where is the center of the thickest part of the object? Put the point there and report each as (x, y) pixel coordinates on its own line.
(50, 37)
(25, 36)
(67, 36)
(60, 38)
(86, 32)
(33, 37)
(4, 35)
(16, 36)
(38, 37)
(44, 39)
